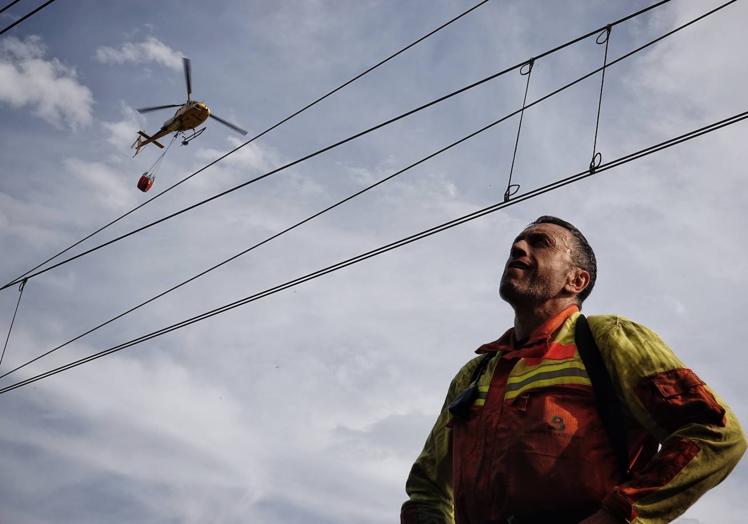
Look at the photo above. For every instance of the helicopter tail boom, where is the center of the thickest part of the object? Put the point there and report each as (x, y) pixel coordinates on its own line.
(143, 140)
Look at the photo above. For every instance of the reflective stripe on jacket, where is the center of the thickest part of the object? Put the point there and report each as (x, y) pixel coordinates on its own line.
(533, 442)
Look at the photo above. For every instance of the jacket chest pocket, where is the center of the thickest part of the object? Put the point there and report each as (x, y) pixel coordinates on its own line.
(551, 422)
(558, 444)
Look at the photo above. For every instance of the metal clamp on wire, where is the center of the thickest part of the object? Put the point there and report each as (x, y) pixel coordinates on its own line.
(526, 68)
(511, 190)
(596, 162)
(602, 37)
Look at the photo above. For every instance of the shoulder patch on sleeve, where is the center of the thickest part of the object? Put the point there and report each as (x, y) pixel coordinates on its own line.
(678, 397)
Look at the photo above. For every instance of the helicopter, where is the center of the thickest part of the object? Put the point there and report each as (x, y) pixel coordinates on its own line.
(189, 116)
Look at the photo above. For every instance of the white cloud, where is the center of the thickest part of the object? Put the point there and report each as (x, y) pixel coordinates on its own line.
(102, 183)
(149, 50)
(253, 156)
(195, 423)
(52, 89)
(122, 133)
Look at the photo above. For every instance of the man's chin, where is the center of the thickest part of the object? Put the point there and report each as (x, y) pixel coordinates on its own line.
(515, 295)
(509, 292)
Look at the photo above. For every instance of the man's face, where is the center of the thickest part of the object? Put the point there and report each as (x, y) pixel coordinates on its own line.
(539, 265)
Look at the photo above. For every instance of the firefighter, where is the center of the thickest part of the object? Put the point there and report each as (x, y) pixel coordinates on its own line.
(525, 437)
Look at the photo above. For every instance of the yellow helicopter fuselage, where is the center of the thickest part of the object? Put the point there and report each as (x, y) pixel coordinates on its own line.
(188, 116)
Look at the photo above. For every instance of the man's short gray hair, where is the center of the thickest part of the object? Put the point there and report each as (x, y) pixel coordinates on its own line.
(582, 256)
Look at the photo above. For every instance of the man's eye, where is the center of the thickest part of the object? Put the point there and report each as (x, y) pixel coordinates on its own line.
(539, 240)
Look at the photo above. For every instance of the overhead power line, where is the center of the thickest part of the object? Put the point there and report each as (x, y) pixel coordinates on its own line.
(354, 195)
(29, 15)
(261, 134)
(14, 2)
(32, 273)
(389, 247)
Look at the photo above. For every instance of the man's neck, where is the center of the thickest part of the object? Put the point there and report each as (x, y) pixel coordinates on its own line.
(528, 318)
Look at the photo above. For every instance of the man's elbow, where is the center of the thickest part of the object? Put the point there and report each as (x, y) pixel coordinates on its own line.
(735, 444)
(740, 446)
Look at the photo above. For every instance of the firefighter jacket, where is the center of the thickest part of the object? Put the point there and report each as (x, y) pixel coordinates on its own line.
(533, 447)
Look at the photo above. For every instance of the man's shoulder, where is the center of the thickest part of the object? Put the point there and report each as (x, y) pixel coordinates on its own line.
(604, 325)
(464, 375)
(470, 366)
(627, 341)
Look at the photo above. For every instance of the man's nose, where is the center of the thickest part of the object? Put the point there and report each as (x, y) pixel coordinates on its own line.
(519, 249)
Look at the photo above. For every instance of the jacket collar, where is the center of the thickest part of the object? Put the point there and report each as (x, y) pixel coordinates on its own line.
(538, 341)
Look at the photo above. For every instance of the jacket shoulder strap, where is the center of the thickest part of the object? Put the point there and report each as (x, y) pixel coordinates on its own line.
(460, 406)
(608, 405)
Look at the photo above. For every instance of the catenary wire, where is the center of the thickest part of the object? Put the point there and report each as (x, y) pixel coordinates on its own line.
(597, 158)
(511, 189)
(24, 17)
(389, 247)
(442, 150)
(32, 273)
(14, 2)
(21, 287)
(261, 134)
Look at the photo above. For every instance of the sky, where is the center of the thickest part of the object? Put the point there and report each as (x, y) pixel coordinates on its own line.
(310, 405)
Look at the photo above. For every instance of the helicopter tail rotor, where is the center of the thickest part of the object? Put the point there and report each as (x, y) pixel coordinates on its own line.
(143, 140)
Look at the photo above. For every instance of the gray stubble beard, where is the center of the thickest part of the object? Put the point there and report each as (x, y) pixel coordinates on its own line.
(537, 292)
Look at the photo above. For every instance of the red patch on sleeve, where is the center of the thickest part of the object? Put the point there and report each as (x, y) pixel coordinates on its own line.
(678, 397)
(675, 455)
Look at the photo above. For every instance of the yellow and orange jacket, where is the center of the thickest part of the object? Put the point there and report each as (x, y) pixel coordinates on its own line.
(533, 442)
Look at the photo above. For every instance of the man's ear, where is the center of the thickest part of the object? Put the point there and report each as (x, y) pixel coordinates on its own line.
(578, 279)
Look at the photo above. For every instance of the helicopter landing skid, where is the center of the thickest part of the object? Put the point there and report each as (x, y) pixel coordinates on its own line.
(187, 139)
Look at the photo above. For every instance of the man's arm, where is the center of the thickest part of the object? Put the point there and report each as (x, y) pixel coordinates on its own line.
(429, 485)
(701, 440)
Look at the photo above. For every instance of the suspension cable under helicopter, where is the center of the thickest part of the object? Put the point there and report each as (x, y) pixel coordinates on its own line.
(149, 176)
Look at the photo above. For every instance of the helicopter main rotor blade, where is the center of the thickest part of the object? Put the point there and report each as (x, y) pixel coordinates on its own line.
(229, 124)
(156, 108)
(187, 76)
